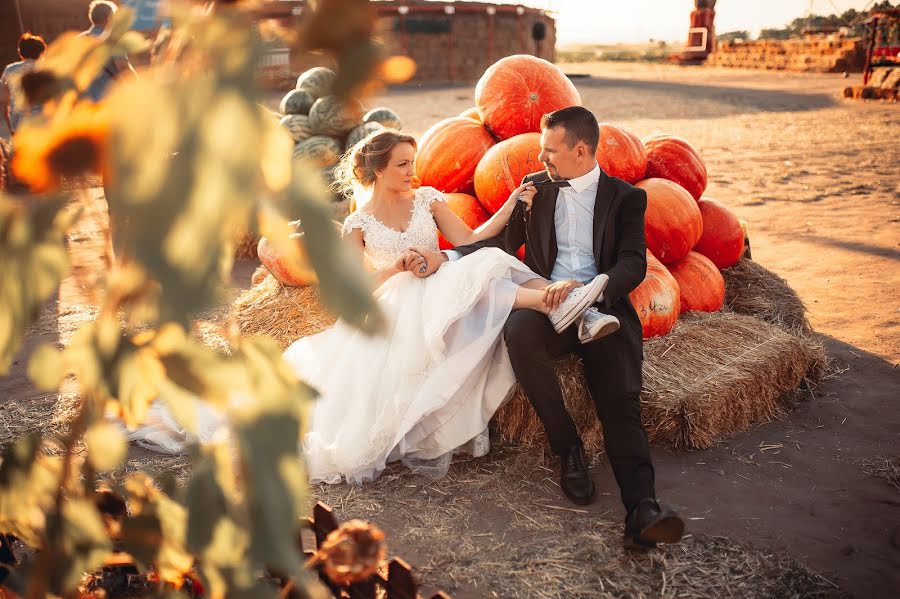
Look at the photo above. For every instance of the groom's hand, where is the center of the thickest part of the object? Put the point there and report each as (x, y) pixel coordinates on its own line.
(556, 293)
(433, 261)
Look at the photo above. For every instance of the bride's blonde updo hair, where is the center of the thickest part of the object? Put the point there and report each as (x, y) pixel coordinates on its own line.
(372, 153)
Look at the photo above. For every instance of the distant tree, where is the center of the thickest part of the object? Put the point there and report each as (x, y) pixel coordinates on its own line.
(846, 19)
(775, 34)
(730, 36)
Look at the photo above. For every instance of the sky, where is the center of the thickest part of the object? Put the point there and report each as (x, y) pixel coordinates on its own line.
(614, 21)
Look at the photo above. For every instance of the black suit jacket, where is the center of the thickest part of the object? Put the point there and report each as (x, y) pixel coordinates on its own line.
(620, 248)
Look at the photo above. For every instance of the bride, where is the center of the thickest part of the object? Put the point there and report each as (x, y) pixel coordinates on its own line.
(426, 388)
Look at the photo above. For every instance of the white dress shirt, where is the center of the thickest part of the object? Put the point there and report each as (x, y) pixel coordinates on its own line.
(574, 222)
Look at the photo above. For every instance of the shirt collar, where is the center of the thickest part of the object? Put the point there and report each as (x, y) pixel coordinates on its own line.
(587, 180)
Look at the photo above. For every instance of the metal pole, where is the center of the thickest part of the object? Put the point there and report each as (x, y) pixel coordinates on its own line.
(19, 16)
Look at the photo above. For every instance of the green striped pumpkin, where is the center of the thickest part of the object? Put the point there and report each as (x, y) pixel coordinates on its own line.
(296, 101)
(297, 125)
(333, 116)
(320, 150)
(359, 133)
(385, 116)
(317, 81)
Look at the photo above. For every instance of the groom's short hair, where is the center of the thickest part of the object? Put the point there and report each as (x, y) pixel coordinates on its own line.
(580, 125)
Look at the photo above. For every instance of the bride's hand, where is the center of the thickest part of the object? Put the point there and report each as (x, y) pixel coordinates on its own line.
(525, 193)
(410, 260)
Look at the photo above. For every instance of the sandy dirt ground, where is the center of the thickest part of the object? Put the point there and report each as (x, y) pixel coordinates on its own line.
(806, 506)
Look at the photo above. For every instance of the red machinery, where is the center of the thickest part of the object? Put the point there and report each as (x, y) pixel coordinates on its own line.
(884, 41)
(701, 35)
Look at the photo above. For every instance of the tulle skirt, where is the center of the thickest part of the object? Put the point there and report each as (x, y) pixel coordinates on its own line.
(420, 392)
(426, 387)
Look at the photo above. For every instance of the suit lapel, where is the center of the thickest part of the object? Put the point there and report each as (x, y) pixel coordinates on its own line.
(542, 231)
(602, 204)
(545, 228)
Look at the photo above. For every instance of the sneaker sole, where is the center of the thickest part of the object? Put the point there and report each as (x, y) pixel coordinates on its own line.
(607, 329)
(576, 311)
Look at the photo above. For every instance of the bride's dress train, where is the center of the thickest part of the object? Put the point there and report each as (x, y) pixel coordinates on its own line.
(422, 390)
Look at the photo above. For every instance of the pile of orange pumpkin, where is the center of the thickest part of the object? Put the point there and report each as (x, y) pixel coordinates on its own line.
(480, 156)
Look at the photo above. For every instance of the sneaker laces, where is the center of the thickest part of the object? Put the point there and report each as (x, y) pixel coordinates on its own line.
(590, 316)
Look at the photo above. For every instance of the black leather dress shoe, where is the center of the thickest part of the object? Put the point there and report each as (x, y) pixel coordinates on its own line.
(575, 479)
(649, 524)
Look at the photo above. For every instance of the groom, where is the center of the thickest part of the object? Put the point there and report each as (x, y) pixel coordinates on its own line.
(583, 224)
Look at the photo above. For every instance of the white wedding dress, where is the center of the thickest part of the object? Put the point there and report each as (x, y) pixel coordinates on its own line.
(421, 391)
(427, 387)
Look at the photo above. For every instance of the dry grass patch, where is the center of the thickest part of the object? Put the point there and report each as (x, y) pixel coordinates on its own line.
(498, 527)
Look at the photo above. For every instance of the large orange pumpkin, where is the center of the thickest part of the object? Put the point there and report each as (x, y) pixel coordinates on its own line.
(672, 222)
(469, 209)
(701, 284)
(503, 166)
(284, 270)
(656, 299)
(723, 237)
(520, 254)
(449, 152)
(516, 91)
(674, 159)
(621, 154)
(471, 113)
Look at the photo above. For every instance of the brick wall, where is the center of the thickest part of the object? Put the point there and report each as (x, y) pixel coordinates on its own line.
(47, 18)
(460, 54)
(469, 47)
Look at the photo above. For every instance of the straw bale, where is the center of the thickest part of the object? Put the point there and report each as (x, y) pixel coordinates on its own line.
(283, 313)
(245, 246)
(713, 376)
(752, 289)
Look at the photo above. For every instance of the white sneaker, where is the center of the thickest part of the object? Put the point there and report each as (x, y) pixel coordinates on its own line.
(596, 324)
(578, 300)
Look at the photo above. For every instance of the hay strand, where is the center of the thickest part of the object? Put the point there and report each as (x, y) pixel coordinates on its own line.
(245, 245)
(754, 290)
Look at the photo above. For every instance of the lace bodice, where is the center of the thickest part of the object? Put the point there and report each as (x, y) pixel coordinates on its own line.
(384, 244)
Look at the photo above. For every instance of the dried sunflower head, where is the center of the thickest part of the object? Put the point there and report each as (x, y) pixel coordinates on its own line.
(352, 553)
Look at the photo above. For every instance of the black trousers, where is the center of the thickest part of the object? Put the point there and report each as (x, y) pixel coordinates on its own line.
(612, 367)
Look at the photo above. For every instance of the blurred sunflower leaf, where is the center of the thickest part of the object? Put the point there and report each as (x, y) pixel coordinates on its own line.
(131, 42)
(156, 531)
(268, 434)
(33, 261)
(345, 287)
(28, 484)
(78, 543)
(107, 446)
(46, 367)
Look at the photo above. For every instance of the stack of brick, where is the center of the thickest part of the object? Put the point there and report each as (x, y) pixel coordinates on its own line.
(811, 55)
